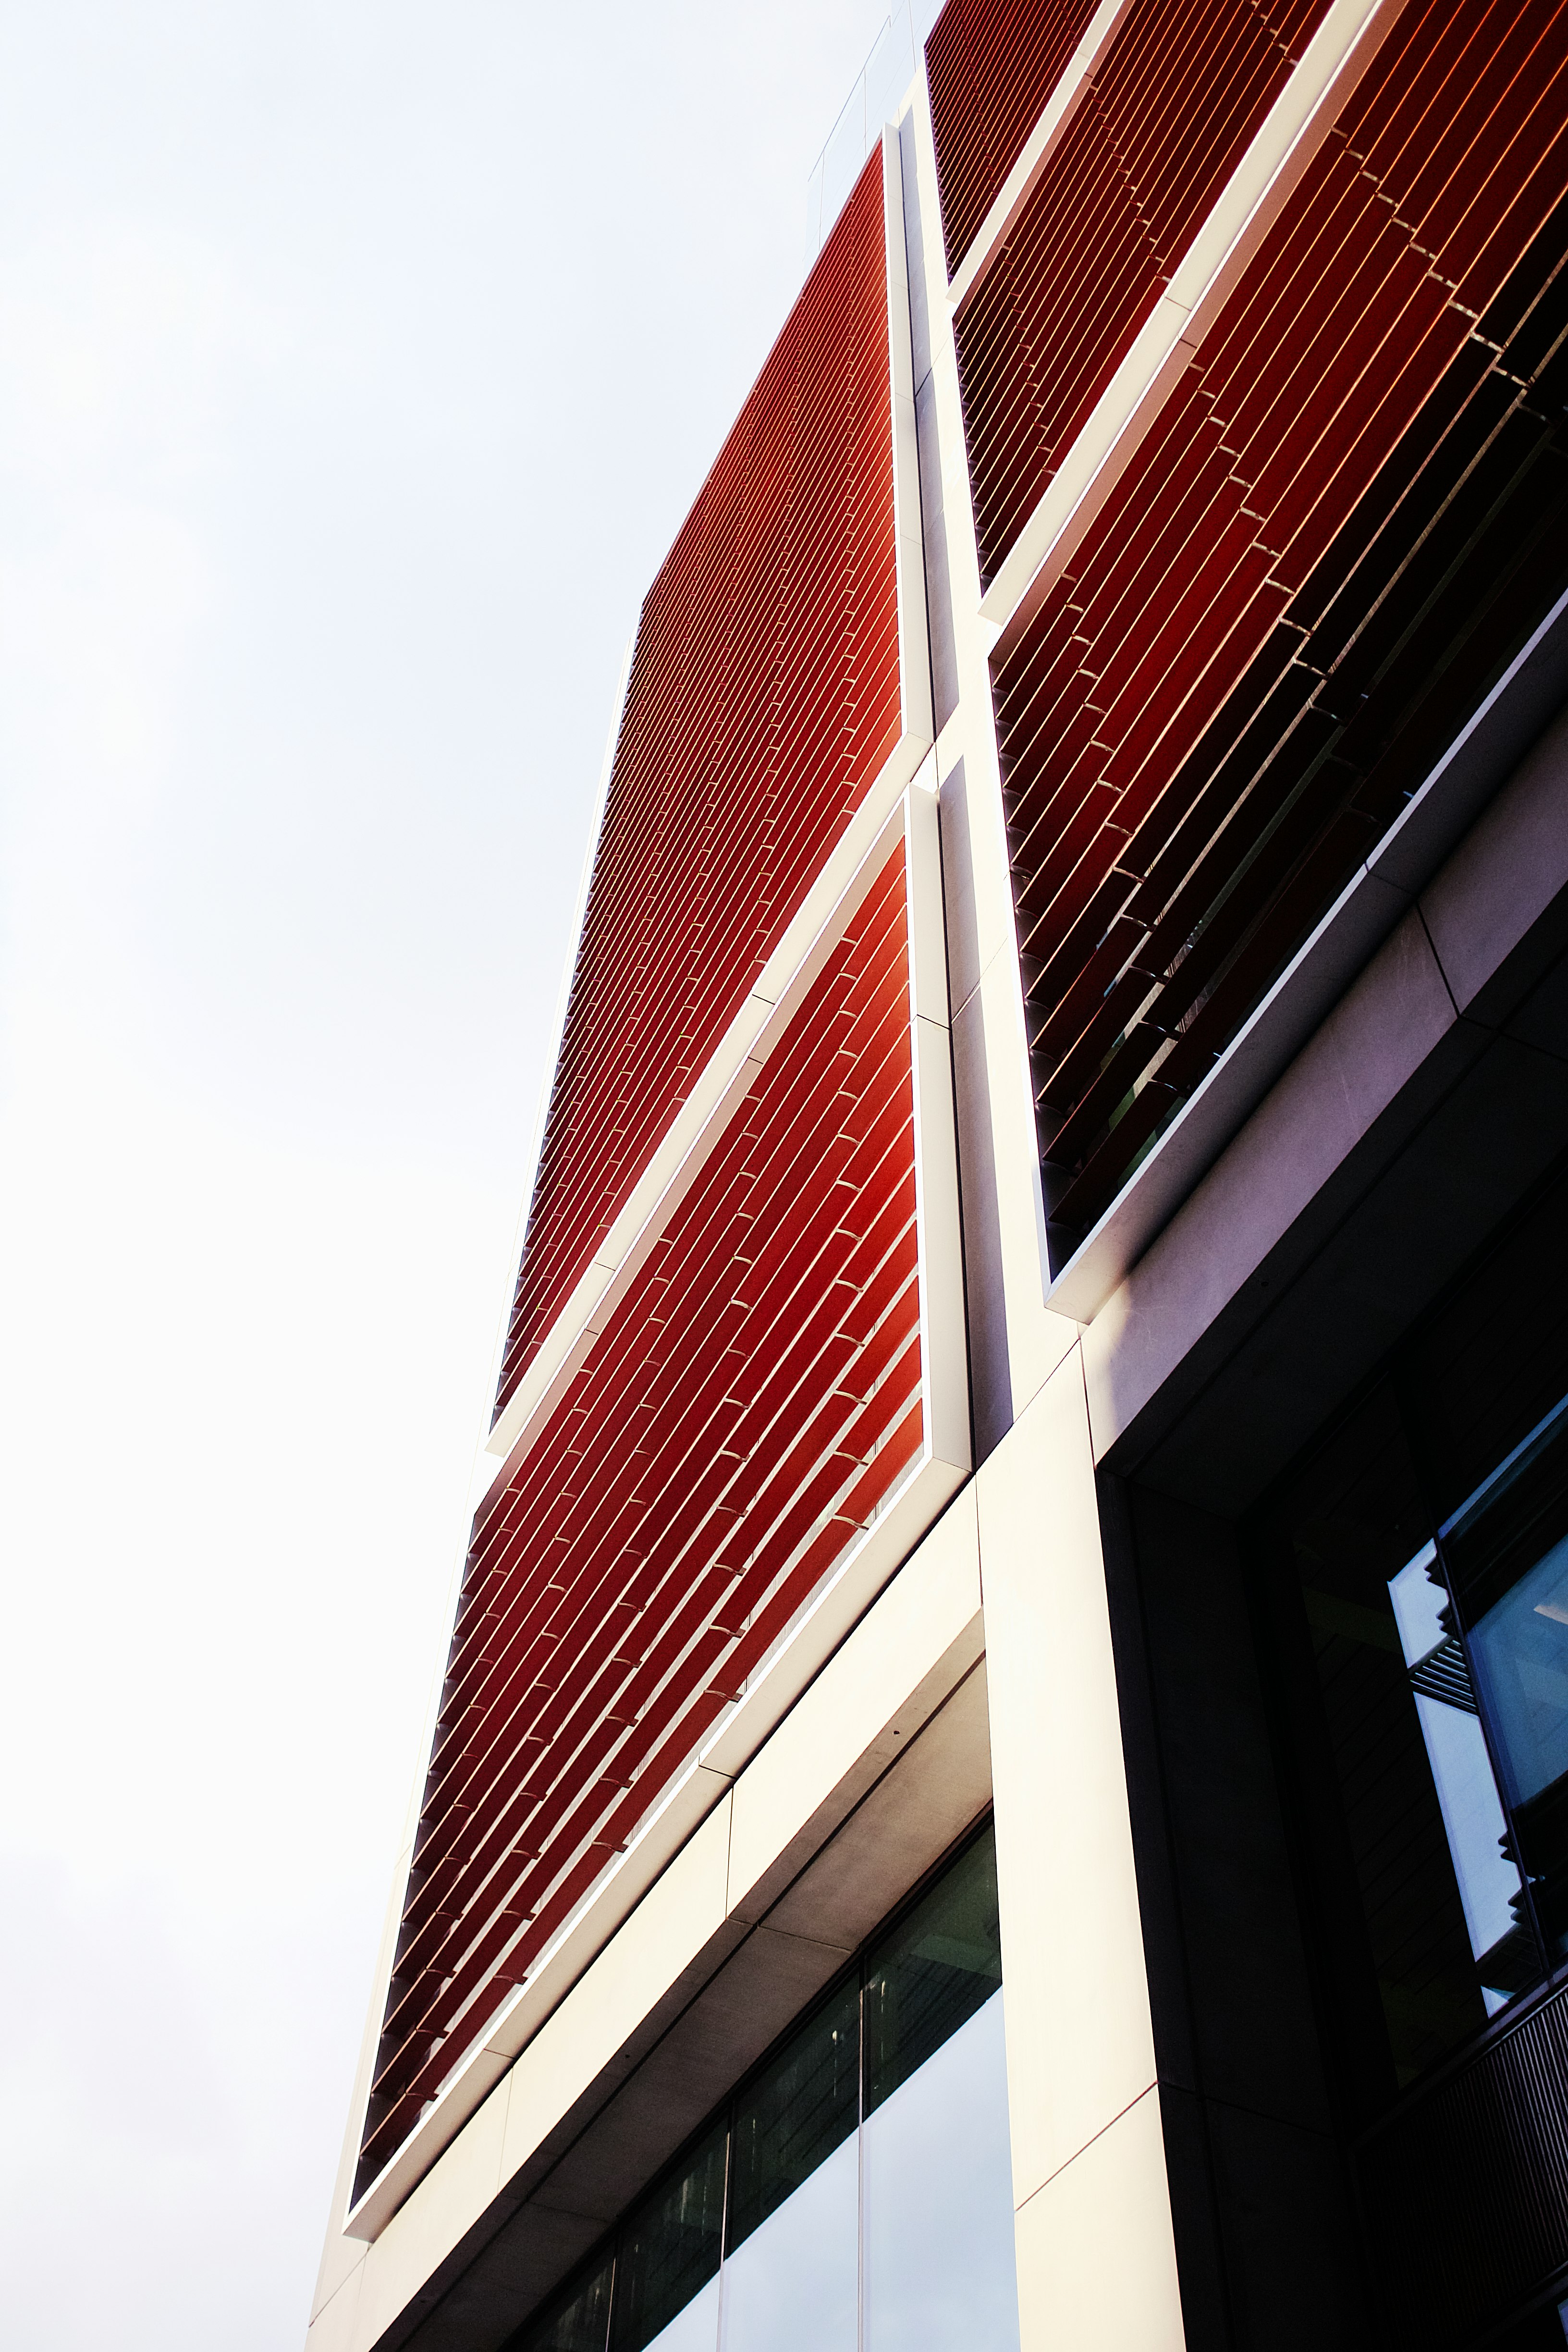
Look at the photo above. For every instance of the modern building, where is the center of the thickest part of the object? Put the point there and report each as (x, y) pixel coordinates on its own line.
(1001, 1777)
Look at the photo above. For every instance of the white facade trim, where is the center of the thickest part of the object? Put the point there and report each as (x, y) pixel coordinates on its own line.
(1038, 150)
(1253, 197)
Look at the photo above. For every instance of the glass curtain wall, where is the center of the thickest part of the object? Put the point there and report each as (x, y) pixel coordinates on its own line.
(1420, 1592)
(857, 2192)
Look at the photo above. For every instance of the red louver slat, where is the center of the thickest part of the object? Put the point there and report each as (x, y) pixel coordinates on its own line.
(1349, 516)
(764, 698)
(1161, 126)
(991, 66)
(753, 1399)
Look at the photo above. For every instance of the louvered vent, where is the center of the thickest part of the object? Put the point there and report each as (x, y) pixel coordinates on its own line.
(1496, 2135)
(1348, 517)
(1159, 130)
(991, 66)
(755, 1399)
(763, 698)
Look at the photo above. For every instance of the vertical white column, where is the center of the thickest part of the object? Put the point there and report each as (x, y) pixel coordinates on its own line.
(1097, 2265)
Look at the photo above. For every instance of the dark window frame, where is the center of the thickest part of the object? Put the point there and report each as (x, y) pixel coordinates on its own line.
(1334, 1931)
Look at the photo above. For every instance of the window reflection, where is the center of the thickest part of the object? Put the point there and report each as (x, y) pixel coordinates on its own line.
(940, 1966)
(581, 2323)
(669, 2251)
(1358, 1538)
(939, 2273)
(793, 2237)
(1420, 1593)
(1484, 1868)
(794, 2282)
(694, 2328)
(1507, 1552)
(791, 2120)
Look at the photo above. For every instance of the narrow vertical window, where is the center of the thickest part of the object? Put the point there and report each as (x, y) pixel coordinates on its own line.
(666, 2275)
(1507, 1551)
(789, 2265)
(936, 2160)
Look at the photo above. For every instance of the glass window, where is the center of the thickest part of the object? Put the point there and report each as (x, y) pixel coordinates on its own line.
(668, 2252)
(796, 2282)
(792, 2119)
(1393, 1695)
(791, 2267)
(940, 2275)
(1428, 1541)
(579, 2323)
(941, 1963)
(1478, 1847)
(1507, 1551)
(857, 2192)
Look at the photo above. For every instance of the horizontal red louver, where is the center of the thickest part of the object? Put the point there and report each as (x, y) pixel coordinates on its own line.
(763, 698)
(1159, 130)
(753, 1400)
(1349, 514)
(991, 66)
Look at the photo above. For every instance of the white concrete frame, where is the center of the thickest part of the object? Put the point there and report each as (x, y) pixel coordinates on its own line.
(917, 1499)
(1022, 1321)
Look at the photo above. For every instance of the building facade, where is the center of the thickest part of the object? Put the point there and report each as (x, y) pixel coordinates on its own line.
(1002, 1772)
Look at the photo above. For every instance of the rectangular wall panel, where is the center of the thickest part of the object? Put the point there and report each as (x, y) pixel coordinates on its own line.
(763, 700)
(1346, 520)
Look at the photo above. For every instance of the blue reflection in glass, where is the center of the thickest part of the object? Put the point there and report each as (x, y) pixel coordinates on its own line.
(1520, 1649)
(938, 2190)
(792, 2286)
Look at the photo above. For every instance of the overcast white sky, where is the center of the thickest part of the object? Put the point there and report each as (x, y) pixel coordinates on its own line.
(358, 361)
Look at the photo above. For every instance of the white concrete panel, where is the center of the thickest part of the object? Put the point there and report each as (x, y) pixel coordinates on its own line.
(333, 2327)
(451, 2199)
(915, 1812)
(1097, 2263)
(341, 2254)
(903, 1659)
(677, 1918)
(1387, 1024)
(1036, 1340)
(1079, 2039)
